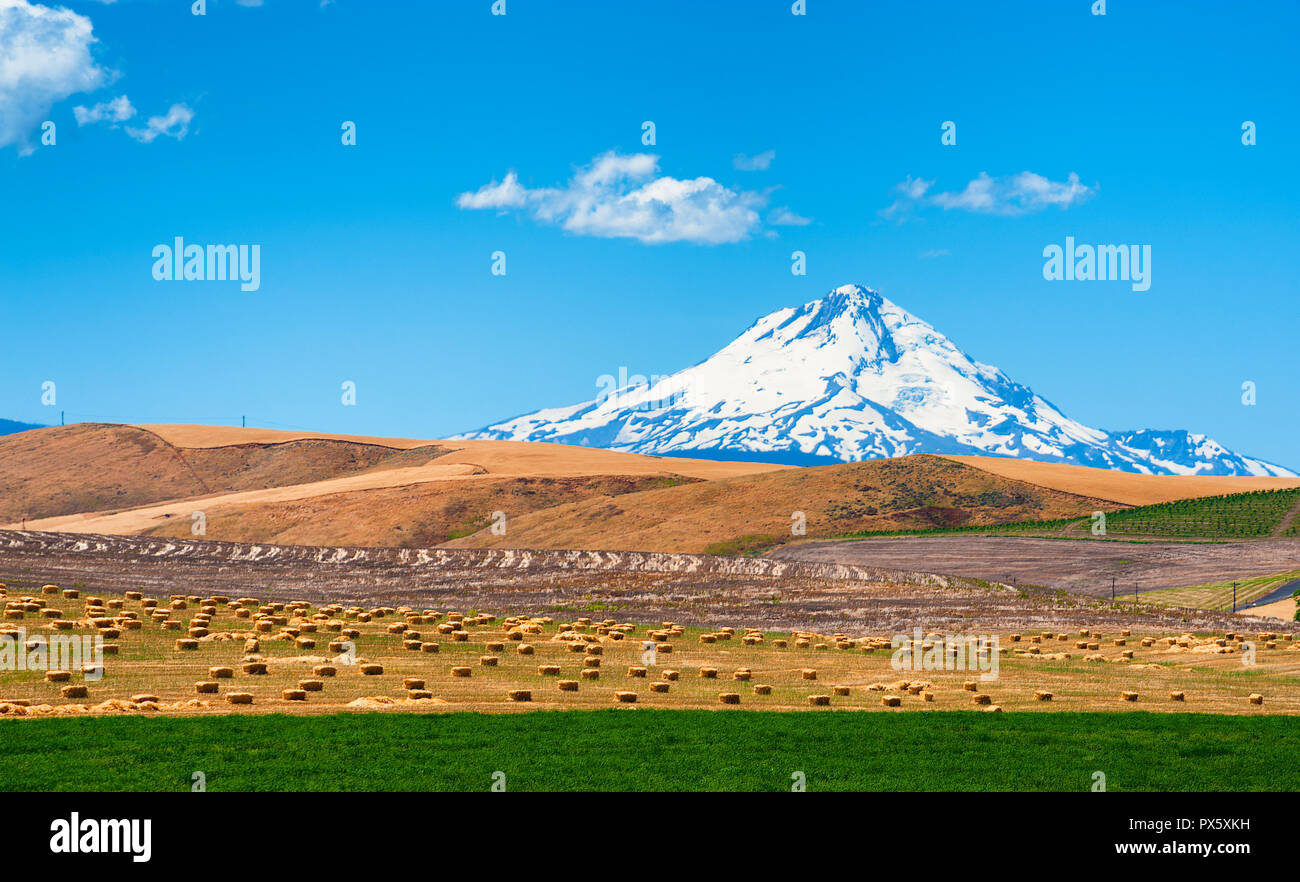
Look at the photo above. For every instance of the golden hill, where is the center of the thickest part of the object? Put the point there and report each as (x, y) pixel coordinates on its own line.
(751, 511)
(265, 485)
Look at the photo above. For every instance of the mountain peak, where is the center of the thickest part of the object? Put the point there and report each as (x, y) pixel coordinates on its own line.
(852, 376)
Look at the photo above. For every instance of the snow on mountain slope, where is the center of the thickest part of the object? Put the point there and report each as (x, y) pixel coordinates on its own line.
(849, 377)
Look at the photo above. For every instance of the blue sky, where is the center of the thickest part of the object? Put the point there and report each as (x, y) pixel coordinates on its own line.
(372, 273)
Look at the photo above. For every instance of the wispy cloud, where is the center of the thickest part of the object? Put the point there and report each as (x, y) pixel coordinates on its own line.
(112, 112)
(1023, 193)
(174, 124)
(44, 58)
(624, 196)
(761, 162)
(784, 217)
(932, 253)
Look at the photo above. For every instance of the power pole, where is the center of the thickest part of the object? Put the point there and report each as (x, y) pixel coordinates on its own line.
(63, 418)
(1112, 589)
(1234, 596)
(243, 422)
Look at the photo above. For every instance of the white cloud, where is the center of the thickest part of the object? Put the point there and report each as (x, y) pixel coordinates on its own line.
(44, 58)
(761, 162)
(1023, 193)
(620, 197)
(113, 112)
(932, 253)
(176, 124)
(784, 217)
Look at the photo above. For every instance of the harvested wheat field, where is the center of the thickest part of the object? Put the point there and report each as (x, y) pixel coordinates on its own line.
(219, 654)
(1126, 488)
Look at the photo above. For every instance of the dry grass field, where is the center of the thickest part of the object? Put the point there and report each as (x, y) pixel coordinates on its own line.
(264, 485)
(1125, 488)
(191, 655)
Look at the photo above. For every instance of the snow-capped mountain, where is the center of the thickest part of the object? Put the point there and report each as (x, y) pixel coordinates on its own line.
(849, 377)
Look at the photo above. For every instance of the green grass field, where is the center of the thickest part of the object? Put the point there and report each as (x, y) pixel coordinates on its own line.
(1217, 595)
(654, 750)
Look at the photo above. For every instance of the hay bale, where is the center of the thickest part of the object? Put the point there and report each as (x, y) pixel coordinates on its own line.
(495, 646)
(625, 697)
(636, 671)
(187, 643)
(254, 668)
(670, 674)
(520, 695)
(742, 674)
(305, 643)
(311, 685)
(294, 695)
(762, 689)
(1128, 696)
(891, 700)
(819, 700)
(525, 649)
(58, 676)
(568, 685)
(927, 696)
(993, 709)
(462, 671)
(709, 673)
(551, 670)
(419, 694)
(971, 686)
(1255, 698)
(1042, 695)
(980, 698)
(75, 691)
(1177, 696)
(839, 690)
(724, 697)
(488, 661)
(412, 683)
(809, 674)
(660, 686)
(206, 687)
(372, 669)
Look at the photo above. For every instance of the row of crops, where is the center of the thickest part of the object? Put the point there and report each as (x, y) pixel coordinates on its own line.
(1238, 516)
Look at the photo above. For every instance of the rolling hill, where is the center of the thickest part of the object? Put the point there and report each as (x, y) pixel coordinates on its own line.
(261, 485)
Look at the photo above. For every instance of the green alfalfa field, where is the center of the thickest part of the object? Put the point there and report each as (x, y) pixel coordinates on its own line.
(651, 750)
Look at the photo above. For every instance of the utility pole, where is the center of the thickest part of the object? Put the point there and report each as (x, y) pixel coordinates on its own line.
(1112, 589)
(63, 418)
(1234, 596)
(243, 422)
